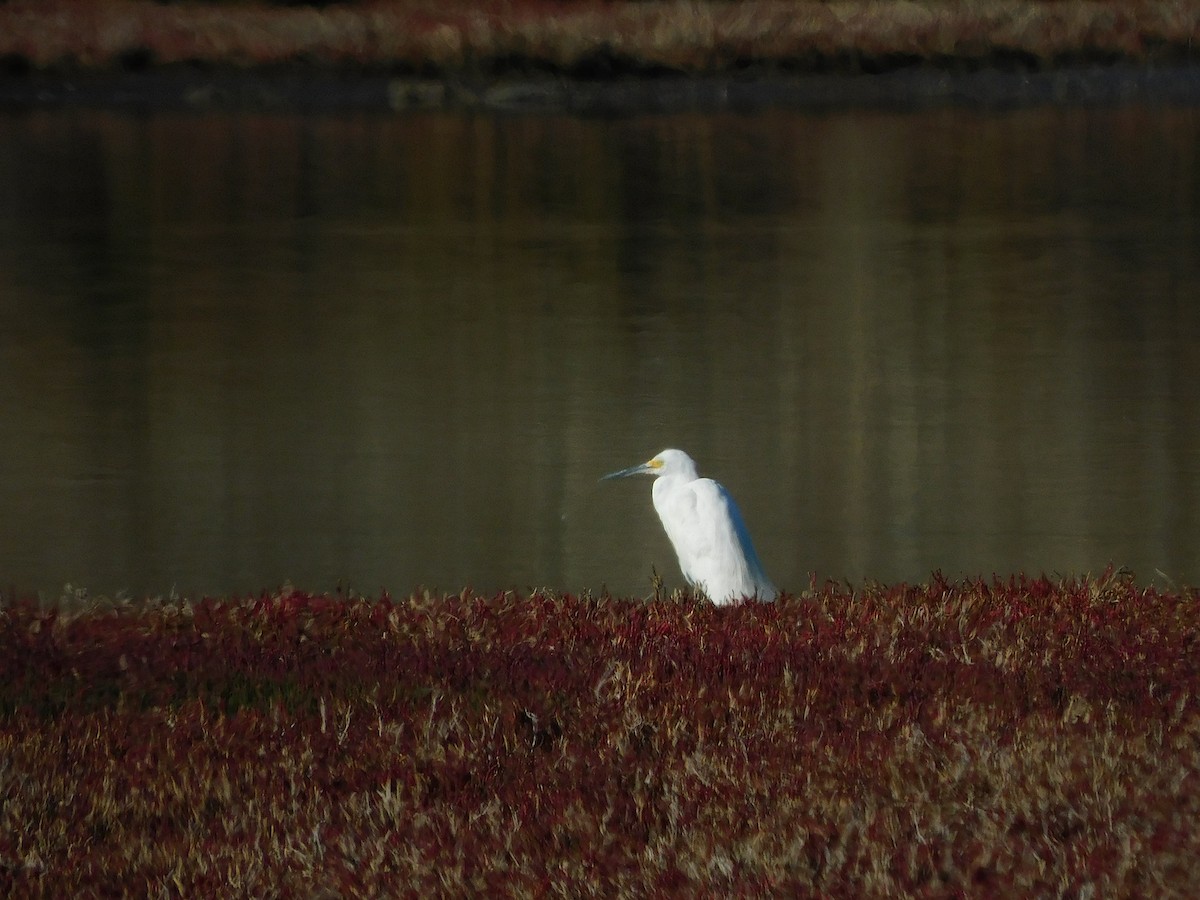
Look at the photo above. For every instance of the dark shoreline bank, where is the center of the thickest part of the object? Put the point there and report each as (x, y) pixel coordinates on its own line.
(299, 89)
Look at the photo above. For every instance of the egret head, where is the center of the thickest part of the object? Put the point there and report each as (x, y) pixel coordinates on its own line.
(669, 462)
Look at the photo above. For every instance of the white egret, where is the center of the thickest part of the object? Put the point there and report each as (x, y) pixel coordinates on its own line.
(706, 528)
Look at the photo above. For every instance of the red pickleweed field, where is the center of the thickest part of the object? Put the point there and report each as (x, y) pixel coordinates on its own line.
(593, 37)
(985, 737)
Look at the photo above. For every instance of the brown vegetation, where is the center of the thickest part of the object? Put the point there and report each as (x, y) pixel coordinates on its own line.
(1013, 738)
(595, 38)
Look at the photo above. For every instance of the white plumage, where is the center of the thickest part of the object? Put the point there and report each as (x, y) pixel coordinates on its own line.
(706, 529)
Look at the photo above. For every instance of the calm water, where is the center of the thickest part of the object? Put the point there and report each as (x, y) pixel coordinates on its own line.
(399, 351)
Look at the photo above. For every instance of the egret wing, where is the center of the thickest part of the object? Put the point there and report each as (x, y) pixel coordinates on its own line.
(761, 584)
(711, 540)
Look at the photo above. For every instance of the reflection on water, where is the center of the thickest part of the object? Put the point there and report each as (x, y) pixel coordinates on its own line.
(391, 352)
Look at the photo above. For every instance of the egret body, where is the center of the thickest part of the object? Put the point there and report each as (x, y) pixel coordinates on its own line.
(706, 529)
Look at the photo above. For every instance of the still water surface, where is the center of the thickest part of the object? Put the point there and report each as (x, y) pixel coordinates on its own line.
(382, 351)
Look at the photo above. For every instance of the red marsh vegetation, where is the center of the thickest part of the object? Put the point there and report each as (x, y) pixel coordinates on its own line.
(591, 37)
(1014, 738)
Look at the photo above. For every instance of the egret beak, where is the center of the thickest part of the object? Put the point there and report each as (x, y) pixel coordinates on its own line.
(632, 470)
